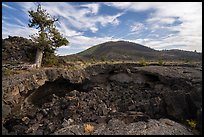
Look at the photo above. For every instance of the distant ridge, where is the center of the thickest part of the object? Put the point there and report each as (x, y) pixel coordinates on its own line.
(124, 50)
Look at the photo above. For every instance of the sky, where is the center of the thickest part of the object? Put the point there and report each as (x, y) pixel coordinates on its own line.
(158, 25)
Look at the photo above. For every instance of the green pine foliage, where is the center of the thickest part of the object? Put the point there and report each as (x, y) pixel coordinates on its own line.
(48, 37)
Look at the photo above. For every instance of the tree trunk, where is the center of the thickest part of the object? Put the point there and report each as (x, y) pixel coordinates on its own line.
(38, 58)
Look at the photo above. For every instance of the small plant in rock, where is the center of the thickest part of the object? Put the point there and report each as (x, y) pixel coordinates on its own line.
(93, 60)
(6, 72)
(186, 60)
(192, 123)
(161, 62)
(142, 62)
(103, 59)
(72, 67)
(88, 128)
(82, 61)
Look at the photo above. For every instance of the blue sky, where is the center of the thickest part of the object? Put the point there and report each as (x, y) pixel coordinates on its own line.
(173, 25)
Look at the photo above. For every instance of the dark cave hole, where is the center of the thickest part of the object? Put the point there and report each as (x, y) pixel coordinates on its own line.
(151, 77)
(59, 87)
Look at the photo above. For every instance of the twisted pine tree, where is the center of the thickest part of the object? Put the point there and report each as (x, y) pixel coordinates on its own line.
(48, 37)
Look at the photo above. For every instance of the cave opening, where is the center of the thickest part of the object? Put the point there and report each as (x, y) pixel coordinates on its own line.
(59, 87)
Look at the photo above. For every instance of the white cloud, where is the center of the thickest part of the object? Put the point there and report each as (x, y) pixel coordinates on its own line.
(16, 30)
(104, 20)
(161, 20)
(120, 5)
(137, 27)
(81, 18)
(66, 31)
(188, 13)
(26, 6)
(172, 42)
(94, 7)
(85, 42)
(134, 6)
(7, 6)
(20, 22)
(74, 16)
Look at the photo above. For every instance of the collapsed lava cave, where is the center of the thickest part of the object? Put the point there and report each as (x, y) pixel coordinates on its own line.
(123, 92)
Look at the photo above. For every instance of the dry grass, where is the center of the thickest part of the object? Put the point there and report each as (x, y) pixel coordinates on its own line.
(78, 65)
(88, 128)
(84, 64)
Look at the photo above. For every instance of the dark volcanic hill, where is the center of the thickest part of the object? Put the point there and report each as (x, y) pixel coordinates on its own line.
(119, 50)
(124, 50)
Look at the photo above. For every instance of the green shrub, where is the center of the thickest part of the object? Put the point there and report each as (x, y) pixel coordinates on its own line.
(186, 61)
(6, 72)
(161, 62)
(31, 54)
(192, 123)
(82, 61)
(93, 60)
(49, 59)
(103, 59)
(142, 62)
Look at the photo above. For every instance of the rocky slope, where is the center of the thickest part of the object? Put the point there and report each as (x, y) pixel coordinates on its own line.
(144, 100)
(17, 49)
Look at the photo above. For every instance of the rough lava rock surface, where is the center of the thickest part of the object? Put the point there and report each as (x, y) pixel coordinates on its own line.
(118, 127)
(116, 99)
